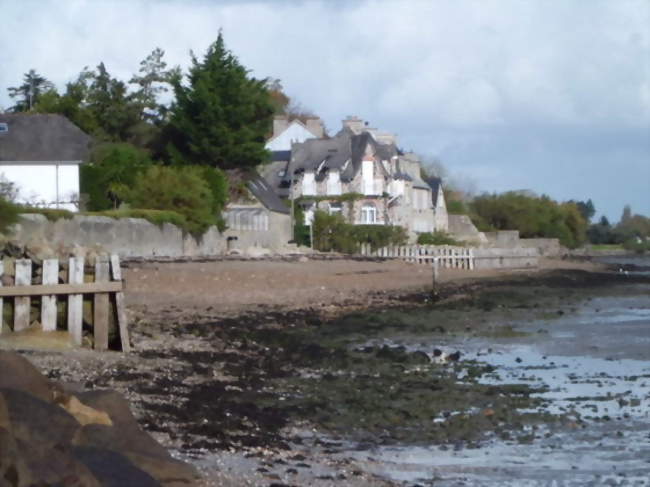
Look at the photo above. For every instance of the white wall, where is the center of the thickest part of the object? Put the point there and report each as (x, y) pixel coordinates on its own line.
(38, 184)
(296, 132)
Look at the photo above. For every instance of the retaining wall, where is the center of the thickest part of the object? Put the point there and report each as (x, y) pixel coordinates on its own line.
(546, 246)
(127, 237)
(508, 258)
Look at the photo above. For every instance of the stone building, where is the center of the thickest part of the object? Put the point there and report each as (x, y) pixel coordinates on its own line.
(361, 174)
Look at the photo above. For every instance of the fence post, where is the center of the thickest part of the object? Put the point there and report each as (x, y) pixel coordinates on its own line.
(2, 271)
(75, 301)
(22, 304)
(100, 307)
(471, 259)
(48, 303)
(120, 307)
(434, 288)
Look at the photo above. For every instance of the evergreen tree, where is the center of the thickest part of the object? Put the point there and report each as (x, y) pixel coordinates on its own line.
(152, 78)
(28, 94)
(221, 118)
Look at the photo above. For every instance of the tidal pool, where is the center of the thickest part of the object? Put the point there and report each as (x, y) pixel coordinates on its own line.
(592, 364)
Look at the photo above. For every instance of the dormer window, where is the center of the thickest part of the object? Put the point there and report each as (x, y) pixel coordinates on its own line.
(4, 128)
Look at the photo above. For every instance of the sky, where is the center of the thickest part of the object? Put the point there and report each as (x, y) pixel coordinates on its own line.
(551, 96)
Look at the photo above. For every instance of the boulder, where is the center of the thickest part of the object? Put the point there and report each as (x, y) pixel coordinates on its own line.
(18, 373)
(113, 469)
(85, 415)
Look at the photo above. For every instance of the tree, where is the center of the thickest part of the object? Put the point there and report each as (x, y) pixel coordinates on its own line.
(586, 208)
(113, 166)
(152, 80)
(222, 117)
(179, 189)
(28, 94)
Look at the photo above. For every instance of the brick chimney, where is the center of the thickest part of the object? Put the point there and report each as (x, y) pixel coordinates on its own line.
(280, 124)
(315, 126)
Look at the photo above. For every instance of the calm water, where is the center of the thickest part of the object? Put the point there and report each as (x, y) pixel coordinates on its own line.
(595, 364)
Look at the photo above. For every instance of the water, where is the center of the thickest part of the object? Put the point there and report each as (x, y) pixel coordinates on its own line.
(593, 365)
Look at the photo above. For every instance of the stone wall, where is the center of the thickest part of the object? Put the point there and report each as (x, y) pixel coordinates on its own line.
(127, 237)
(506, 258)
(546, 246)
(461, 228)
(276, 238)
(503, 238)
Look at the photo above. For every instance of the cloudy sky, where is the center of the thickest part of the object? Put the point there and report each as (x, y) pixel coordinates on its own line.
(548, 95)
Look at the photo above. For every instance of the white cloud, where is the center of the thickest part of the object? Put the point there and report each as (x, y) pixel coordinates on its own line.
(441, 73)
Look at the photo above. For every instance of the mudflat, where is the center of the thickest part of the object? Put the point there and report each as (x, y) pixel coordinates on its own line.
(271, 373)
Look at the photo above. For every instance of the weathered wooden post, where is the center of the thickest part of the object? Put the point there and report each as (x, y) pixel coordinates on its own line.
(434, 290)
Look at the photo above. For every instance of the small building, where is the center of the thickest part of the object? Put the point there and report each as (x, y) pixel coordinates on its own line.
(260, 220)
(40, 154)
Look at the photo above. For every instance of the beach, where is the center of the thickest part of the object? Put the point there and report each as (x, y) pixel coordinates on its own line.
(264, 372)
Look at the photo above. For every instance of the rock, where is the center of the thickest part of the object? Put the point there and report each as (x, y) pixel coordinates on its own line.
(18, 373)
(84, 414)
(303, 259)
(168, 471)
(257, 251)
(113, 469)
(120, 414)
(37, 422)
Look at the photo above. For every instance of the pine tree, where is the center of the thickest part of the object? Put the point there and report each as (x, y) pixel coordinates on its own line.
(222, 117)
(28, 94)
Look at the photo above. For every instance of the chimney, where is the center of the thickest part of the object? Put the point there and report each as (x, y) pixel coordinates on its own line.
(354, 123)
(315, 126)
(280, 124)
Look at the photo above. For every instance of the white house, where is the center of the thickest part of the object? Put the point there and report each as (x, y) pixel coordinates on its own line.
(41, 154)
(286, 133)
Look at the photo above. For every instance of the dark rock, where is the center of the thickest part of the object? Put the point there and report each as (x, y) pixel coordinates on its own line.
(113, 469)
(18, 373)
(37, 422)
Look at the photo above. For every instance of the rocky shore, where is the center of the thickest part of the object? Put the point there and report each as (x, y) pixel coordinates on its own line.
(280, 396)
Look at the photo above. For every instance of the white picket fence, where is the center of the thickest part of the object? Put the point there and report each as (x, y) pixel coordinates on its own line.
(446, 256)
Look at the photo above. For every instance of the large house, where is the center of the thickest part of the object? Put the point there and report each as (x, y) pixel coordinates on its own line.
(40, 154)
(361, 174)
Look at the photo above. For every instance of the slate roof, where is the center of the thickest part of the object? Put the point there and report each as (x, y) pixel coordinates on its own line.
(334, 153)
(435, 184)
(33, 137)
(263, 192)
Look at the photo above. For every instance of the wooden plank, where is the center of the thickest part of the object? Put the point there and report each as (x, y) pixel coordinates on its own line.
(75, 301)
(2, 272)
(41, 290)
(101, 305)
(120, 306)
(48, 302)
(22, 304)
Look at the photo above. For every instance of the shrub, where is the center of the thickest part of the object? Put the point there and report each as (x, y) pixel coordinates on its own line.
(437, 238)
(157, 217)
(112, 166)
(332, 233)
(179, 189)
(8, 214)
(52, 214)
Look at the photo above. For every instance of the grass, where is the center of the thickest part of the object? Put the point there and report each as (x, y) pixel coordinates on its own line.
(601, 247)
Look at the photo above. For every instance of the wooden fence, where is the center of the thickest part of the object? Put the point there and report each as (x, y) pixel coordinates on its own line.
(45, 283)
(446, 256)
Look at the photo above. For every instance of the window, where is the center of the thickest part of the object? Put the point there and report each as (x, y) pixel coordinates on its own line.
(368, 214)
(335, 208)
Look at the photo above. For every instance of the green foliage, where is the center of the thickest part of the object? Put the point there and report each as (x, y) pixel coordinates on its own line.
(52, 214)
(8, 214)
(457, 207)
(179, 189)
(221, 118)
(28, 94)
(113, 166)
(157, 217)
(437, 238)
(532, 216)
(637, 245)
(300, 230)
(331, 233)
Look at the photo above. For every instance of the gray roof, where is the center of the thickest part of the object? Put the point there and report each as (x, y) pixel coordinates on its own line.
(334, 153)
(436, 185)
(37, 137)
(263, 192)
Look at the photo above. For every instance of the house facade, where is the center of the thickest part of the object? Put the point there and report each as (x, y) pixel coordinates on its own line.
(361, 174)
(40, 154)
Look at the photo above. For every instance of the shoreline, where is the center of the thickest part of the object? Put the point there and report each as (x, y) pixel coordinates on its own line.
(196, 356)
